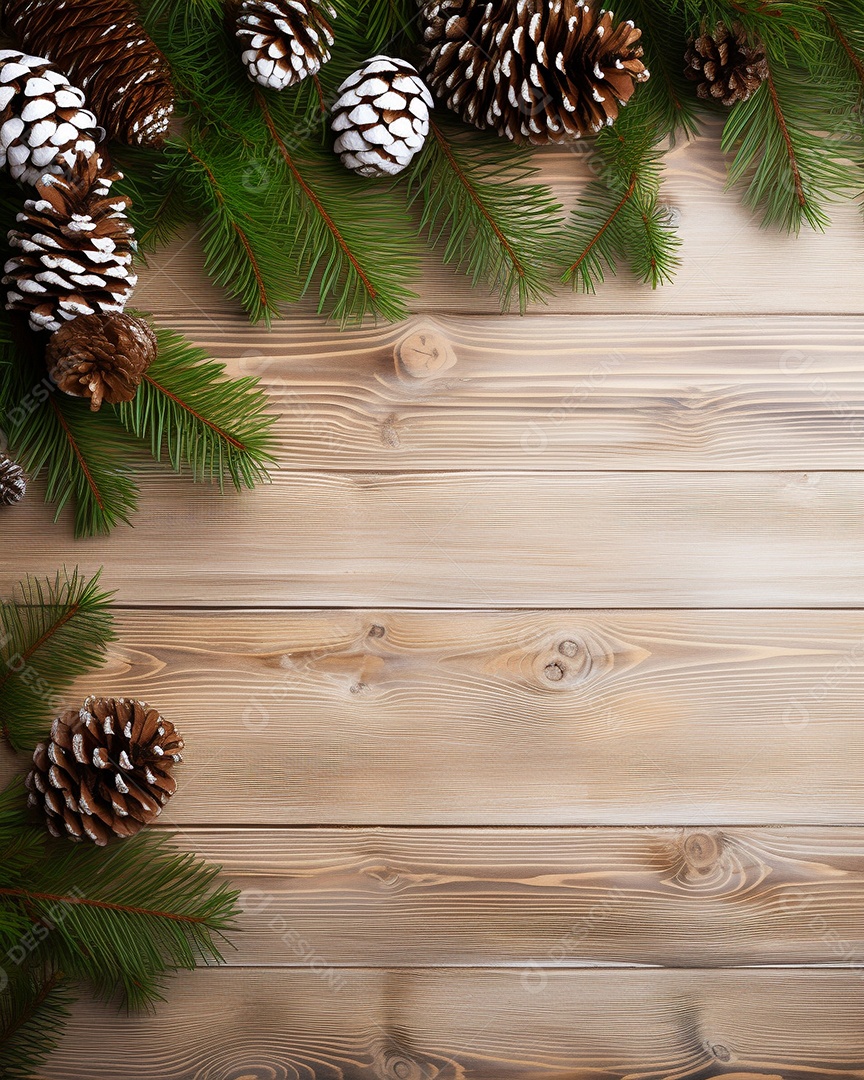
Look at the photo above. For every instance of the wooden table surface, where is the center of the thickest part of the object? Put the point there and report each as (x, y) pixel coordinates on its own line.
(525, 705)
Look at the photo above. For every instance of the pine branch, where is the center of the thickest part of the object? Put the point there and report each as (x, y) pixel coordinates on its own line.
(494, 227)
(845, 26)
(159, 209)
(190, 414)
(33, 1008)
(51, 632)
(124, 919)
(618, 218)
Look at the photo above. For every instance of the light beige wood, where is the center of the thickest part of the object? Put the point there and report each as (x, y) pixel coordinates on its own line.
(456, 1024)
(556, 392)
(550, 897)
(730, 264)
(521, 539)
(392, 717)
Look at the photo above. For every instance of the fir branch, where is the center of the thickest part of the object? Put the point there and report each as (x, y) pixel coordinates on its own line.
(494, 227)
(51, 632)
(189, 413)
(849, 36)
(159, 209)
(33, 1008)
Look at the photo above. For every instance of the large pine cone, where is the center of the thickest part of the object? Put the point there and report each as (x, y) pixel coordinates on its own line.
(101, 357)
(535, 71)
(44, 125)
(76, 249)
(381, 117)
(284, 41)
(107, 769)
(726, 65)
(13, 484)
(105, 49)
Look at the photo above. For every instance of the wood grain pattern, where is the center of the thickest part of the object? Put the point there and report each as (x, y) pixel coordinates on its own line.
(730, 265)
(544, 897)
(332, 1024)
(557, 393)
(520, 539)
(504, 718)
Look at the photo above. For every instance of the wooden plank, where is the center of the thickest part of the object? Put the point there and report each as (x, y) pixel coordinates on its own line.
(730, 264)
(526, 539)
(557, 392)
(483, 897)
(463, 718)
(330, 1024)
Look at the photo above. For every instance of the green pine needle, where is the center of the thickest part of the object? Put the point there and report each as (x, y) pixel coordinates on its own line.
(494, 227)
(34, 1004)
(51, 632)
(190, 414)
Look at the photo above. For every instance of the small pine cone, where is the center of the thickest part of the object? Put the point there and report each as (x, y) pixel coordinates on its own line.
(103, 46)
(381, 117)
(726, 65)
(13, 484)
(536, 71)
(284, 41)
(107, 769)
(44, 125)
(76, 249)
(101, 357)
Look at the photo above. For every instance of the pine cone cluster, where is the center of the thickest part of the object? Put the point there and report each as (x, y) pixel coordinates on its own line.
(103, 47)
(44, 125)
(536, 71)
(76, 247)
(13, 484)
(726, 65)
(381, 117)
(101, 357)
(106, 770)
(284, 41)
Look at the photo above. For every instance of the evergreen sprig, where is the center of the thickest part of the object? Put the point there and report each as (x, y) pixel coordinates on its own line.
(34, 1004)
(51, 631)
(193, 416)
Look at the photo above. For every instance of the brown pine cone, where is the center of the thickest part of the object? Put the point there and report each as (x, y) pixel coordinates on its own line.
(106, 770)
(44, 125)
(284, 41)
(76, 249)
(534, 70)
(726, 65)
(101, 357)
(13, 484)
(106, 51)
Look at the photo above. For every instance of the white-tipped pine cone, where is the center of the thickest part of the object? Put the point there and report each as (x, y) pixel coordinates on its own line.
(44, 125)
(381, 117)
(76, 247)
(284, 41)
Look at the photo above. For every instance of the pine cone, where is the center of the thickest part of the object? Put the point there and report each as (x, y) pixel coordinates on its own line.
(284, 41)
(107, 769)
(76, 249)
(534, 70)
(101, 357)
(13, 484)
(43, 123)
(726, 65)
(381, 117)
(105, 49)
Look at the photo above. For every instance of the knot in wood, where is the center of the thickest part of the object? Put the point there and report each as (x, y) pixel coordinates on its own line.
(423, 353)
(555, 672)
(568, 648)
(721, 1052)
(376, 631)
(702, 850)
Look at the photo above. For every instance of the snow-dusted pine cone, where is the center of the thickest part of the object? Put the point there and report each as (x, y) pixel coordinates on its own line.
(103, 46)
(284, 41)
(534, 70)
(381, 117)
(106, 770)
(13, 484)
(101, 357)
(44, 125)
(727, 65)
(76, 247)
